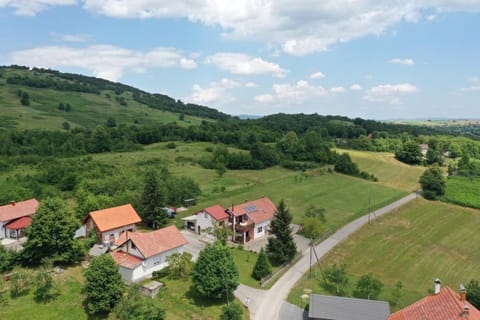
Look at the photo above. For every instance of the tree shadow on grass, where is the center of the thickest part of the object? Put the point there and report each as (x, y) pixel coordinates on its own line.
(204, 302)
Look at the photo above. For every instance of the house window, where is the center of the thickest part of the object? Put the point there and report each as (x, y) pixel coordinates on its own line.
(259, 229)
(134, 247)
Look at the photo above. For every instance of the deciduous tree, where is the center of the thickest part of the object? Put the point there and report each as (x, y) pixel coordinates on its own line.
(103, 285)
(433, 182)
(368, 287)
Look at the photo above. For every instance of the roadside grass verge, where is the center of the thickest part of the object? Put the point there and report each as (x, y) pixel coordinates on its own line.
(414, 244)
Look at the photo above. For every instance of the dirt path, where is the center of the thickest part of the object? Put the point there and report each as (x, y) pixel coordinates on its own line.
(265, 305)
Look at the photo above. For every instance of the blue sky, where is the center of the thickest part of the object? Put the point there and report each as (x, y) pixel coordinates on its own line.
(380, 59)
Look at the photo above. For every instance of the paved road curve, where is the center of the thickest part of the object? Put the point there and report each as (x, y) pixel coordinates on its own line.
(266, 305)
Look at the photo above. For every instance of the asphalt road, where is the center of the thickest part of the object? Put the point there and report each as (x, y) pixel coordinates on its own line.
(266, 304)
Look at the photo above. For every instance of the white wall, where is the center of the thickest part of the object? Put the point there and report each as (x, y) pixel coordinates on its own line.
(155, 263)
(116, 232)
(2, 230)
(264, 225)
(204, 221)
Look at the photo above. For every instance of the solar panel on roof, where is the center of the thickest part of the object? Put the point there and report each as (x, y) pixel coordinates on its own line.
(251, 208)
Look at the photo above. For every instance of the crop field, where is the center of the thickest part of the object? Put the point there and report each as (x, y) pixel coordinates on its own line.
(415, 244)
(389, 171)
(464, 191)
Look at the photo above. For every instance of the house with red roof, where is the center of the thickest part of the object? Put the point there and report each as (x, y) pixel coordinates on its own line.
(209, 217)
(109, 224)
(443, 304)
(15, 217)
(140, 254)
(251, 220)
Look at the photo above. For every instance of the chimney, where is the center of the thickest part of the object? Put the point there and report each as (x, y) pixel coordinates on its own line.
(463, 293)
(466, 311)
(437, 286)
(12, 203)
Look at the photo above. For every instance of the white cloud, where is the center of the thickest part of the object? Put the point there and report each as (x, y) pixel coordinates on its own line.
(298, 27)
(473, 79)
(407, 62)
(105, 61)
(470, 89)
(317, 75)
(390, 93)
(298, 92)
(32, 7)
(243, 64)
(356, 87)
(250, 85)
(71, 37)
(338, 90)
(216, 93)
(264, 98)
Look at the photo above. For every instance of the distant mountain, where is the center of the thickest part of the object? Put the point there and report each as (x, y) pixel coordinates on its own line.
(43, 98)
(248, 116)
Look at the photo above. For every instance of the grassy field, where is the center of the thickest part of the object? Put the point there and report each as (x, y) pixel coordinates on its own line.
(414, 244)
(179, 301)
(245, 261)
(343, 197)
(389, 171)
(463, 191)
(88, 110)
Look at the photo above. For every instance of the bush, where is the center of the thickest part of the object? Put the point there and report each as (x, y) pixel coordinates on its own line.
(233, 311)
(171, 145)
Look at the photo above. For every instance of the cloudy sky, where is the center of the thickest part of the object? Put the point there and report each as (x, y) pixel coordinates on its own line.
(378, 59)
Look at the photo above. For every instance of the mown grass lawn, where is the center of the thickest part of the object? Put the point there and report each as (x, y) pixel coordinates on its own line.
(415, 244)
(177, 297)
(245, 261)
(389, 171)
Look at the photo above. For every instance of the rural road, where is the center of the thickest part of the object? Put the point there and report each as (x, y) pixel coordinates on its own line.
(266, 304)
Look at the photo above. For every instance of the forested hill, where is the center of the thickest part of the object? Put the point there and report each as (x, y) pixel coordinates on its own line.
(52, 97)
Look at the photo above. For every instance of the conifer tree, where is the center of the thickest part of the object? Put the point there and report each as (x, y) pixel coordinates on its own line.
(262, 267)
(281, 248)
(153, 201)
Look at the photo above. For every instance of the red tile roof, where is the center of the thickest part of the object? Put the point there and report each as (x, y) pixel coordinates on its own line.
(258, 210)
(17, 210)
(23, 222)
(445, 305)
(217, 212)
(152, 243)
(126, 260)
(113, 218)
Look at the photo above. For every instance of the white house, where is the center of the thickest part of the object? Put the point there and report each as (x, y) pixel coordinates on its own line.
(140, 254)
(251, 220)
(210, 217)
(15, 217)
(110, 223)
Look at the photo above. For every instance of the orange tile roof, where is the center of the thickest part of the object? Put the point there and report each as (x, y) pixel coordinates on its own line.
(217, 212)
(17, 210)
(155, 242)
(126, 260)
(113, 218)
(258, 210)
(20, 223)
(445, 305)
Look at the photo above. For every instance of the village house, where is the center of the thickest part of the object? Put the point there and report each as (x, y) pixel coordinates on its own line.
(444, 304)
(424, 149)
(109, 224)
(208, 218)
(140, 254)
(337, 308)
(251, 220)
(15, 217)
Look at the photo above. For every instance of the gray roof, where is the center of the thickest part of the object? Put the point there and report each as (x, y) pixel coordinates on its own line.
(340, 308)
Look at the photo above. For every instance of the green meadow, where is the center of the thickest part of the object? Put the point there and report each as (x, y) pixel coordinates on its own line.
(415, 244)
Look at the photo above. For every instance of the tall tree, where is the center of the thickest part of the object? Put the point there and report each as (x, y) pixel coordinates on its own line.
(103, 285)
(262, 267)
(473, 293)
(51, 234)
(281, 248)
(433, 182)
(368, 287)
(233, 311)
(153, 201)
(410, 153)
(215, 274)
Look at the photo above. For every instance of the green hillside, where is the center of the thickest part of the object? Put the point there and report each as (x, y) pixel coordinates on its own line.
(91, 101)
